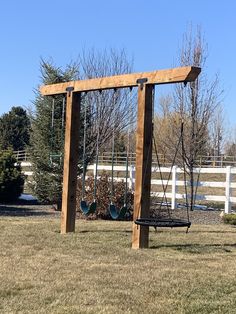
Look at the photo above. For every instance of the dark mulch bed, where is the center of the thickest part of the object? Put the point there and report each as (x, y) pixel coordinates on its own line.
(32, 209)
(23, 208)
(197, 216)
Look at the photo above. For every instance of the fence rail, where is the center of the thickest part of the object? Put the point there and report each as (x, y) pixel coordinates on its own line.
(227, 185)
(165, 160)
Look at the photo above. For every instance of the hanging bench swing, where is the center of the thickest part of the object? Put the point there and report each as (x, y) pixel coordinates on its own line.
(86, 208)
(158, 221)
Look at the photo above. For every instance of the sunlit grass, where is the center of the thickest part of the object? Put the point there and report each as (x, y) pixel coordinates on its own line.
(95, 270)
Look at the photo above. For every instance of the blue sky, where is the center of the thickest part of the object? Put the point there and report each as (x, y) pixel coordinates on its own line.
(150, 31)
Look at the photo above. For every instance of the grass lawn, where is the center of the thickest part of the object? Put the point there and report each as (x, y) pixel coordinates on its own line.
(95, 270)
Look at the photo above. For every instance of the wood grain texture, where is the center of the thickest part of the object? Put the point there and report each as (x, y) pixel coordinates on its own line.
(143, 165)
(71, 155)
(175, 75)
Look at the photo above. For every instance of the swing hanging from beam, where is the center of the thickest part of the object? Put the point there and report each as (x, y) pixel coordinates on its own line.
(73, 91)
(118, 213)
(86, 208)
(159, 219)
(115, 212)
(56, 155)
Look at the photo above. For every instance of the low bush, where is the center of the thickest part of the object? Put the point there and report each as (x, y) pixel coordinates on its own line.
(104, 195)
(229, 219)
(11, 178)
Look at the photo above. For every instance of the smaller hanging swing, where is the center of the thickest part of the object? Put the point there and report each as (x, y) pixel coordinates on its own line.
(169, 220)
(56, 156)
(115, 212)
(86, 208)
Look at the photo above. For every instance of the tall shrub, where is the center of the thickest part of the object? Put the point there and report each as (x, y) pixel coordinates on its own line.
(11, 178)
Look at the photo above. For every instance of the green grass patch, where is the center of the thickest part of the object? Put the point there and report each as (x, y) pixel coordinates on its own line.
(95, 270)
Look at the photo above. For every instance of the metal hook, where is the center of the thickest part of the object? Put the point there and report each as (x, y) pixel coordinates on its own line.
(69, 89)
(141, 81)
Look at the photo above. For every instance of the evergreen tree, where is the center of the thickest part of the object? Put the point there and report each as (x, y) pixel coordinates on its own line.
(11, 178)
(47, 138)
(14, 129)
(104, 111)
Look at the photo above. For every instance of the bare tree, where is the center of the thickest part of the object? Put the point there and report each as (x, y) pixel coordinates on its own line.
(217, 131)
(105, 112)
(230, 143)
(164, 132)
(110, 110)
(191, 106)
(195, 103)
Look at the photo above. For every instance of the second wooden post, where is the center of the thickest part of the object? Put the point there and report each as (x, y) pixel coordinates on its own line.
(140, 237)
(71, 156)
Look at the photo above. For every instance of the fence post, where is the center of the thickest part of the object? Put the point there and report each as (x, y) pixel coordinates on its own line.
(174, 187)
(131, 177)
(94, 170)
(227, 190)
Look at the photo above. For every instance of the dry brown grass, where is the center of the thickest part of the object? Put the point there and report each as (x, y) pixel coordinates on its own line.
(96, 271)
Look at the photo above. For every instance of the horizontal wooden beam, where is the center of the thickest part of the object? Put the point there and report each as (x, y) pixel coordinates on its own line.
(175, 75)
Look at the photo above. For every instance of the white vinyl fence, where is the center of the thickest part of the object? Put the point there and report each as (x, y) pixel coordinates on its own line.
(227, 184)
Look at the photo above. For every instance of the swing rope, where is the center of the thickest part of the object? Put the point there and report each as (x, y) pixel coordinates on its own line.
(86, 208)
(84, 152)
(52, 125)
(56, 141)
(166, 222)
(96, 167)
(112, 167)
(115, 212)
(164, 187)
(126, 180)
(185, 178)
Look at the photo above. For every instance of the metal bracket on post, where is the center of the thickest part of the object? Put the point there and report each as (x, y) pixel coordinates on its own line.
(70, 89)
(141, 82)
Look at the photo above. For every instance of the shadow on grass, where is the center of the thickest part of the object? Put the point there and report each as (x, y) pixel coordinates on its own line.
(198, 248)
(215, 231)
(23, 208)
(105, 231)
(191, 230)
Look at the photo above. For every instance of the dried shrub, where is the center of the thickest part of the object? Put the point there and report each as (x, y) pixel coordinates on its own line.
(104, 196)
(229, 219)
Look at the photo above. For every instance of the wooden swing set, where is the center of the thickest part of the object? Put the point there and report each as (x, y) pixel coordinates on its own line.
(145, 81)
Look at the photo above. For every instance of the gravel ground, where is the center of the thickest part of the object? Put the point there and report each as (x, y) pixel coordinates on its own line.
(208, 217)
(26, 209)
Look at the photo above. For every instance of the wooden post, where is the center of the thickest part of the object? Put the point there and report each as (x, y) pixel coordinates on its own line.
(143, 165)
(228, 190)
(70, 162)
(174, 187)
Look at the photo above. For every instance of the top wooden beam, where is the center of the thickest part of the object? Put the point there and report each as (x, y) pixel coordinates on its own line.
(175, 75)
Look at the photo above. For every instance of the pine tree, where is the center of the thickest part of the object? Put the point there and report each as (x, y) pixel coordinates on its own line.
(47, 138)
(105, 112)
(11, 178)
(14, 129)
